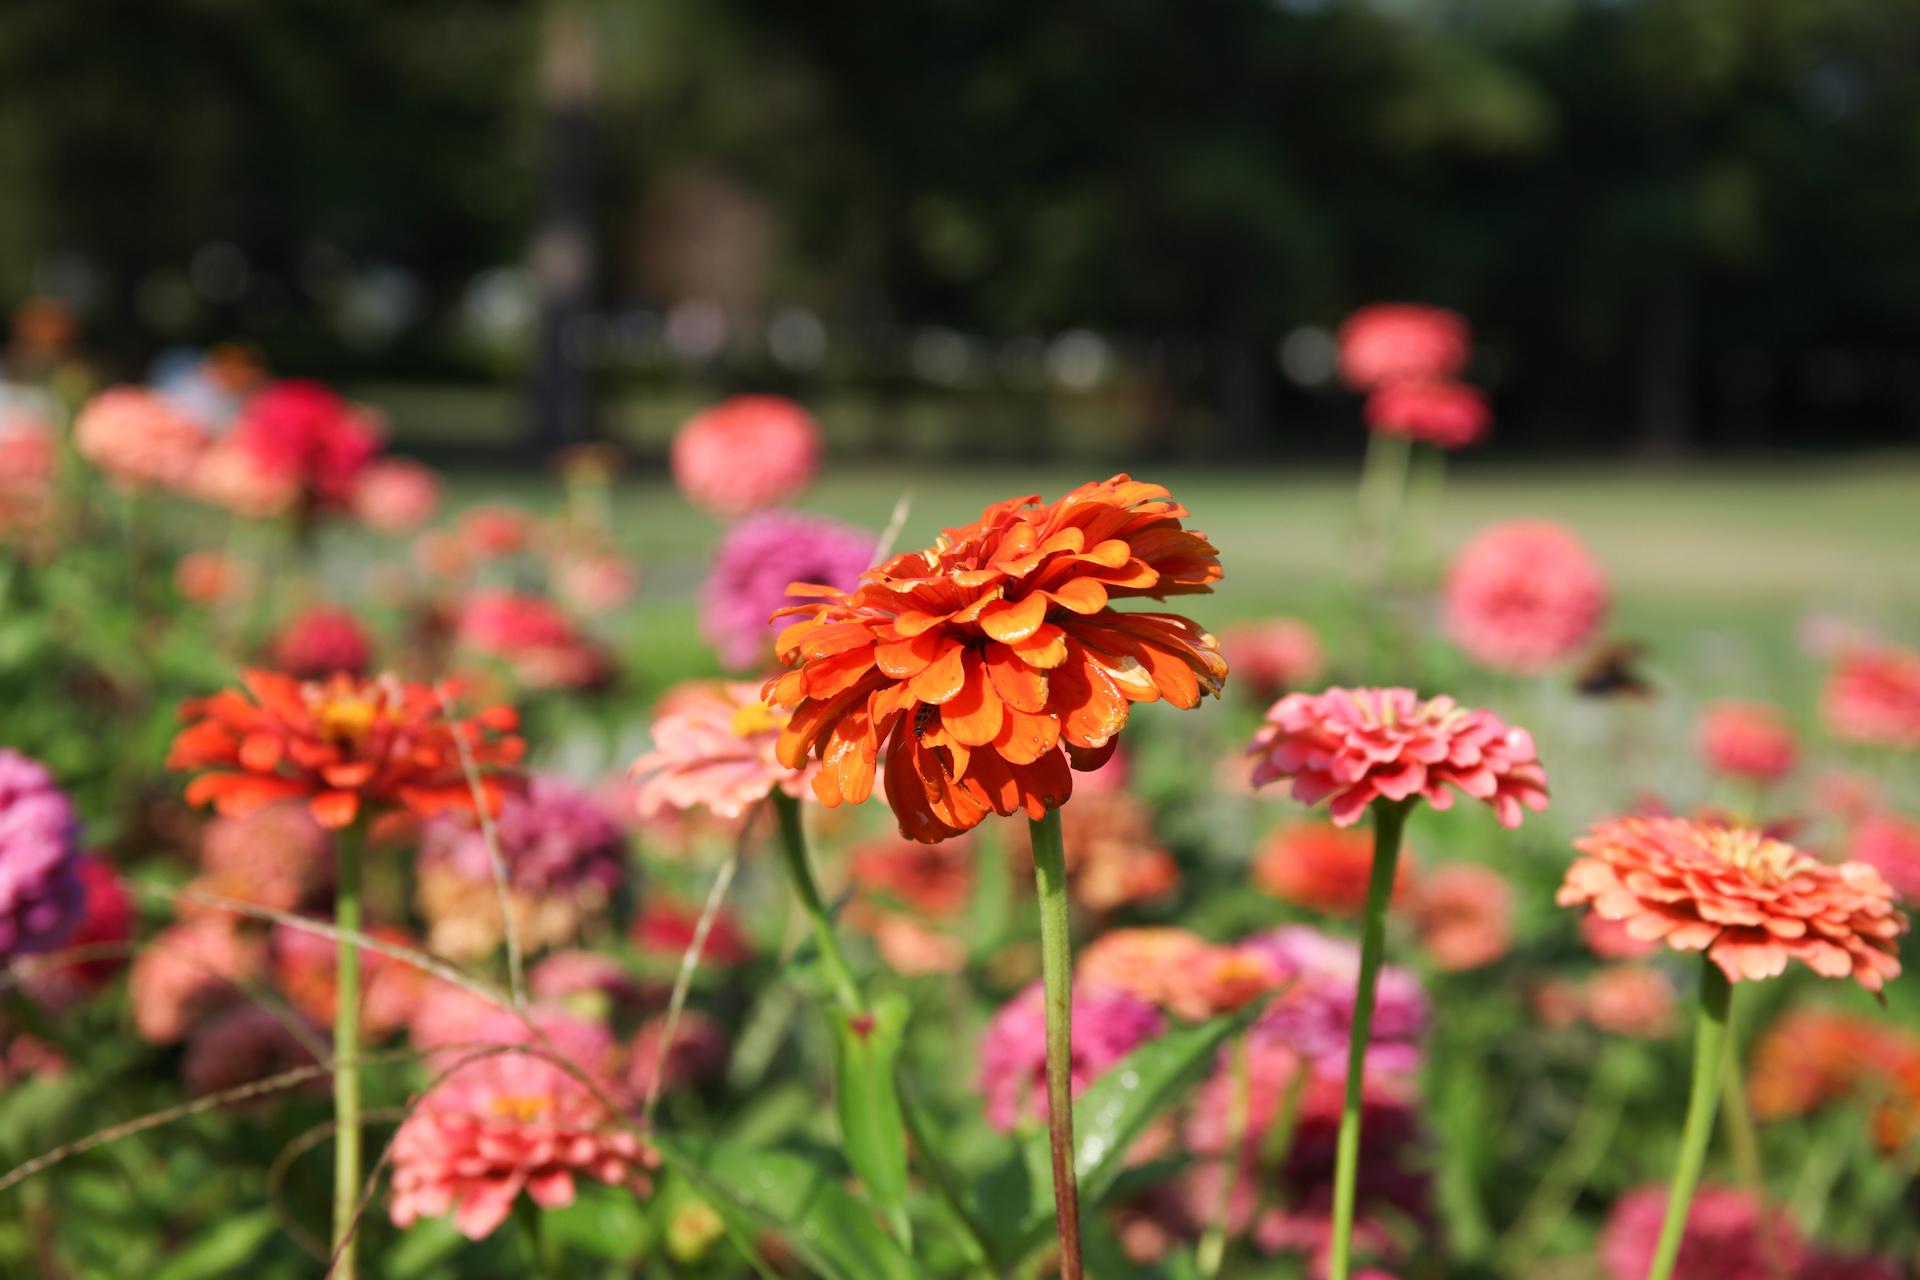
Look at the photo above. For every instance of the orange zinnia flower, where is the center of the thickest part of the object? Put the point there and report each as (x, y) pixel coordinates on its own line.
(340, 745)
(1749, 901)
(987, 665)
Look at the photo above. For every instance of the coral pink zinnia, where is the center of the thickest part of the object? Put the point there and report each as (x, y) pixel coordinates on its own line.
(987, 666)
(138, 439)
(1445, 414)
(745, 453)
(1388, 341)
(1359, 745)
(1522, 596)
(395, 495)
(715, 747)
(1749, 740)
(1750, 902)
(1873, 698)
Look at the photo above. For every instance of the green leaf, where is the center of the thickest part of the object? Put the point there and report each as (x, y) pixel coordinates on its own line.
(222, 1250)
(604, 1222)
(421, 1247)
(867, 1101)
(798, 1197)
(1116, 1109)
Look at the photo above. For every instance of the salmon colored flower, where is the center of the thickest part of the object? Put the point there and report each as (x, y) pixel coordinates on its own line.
(1749, 740)
(1158, 964)
(1812, 1058)
(1610, 940)
(1623, 999)
(981, 667)
(276, 857)
(1873, 698)
(1750, 902)
(306, 968)
(1114, 859)
(1891, 844)
(234, 478)
(745, 453)
(1321, 868)
(206, 577)
(342, 745)
(1273, 657)
(1388, 341)
(715, 746)
(186, 971)
(1522, 596)
(1359, 745)
(1464, 916)
(1445, 414)
(395, 495)
(138, 439)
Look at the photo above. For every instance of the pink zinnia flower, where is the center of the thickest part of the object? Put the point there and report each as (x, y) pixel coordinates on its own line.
(1749, 901)
(29, 461)
(1273, 657)
(105, 922)
(320, 641)
(1389, 341)
(41, 893)
(1359, 745)
(1610, 939)
(234, 478)
(1624, 999)
(1873, 698)
(1728, 1237)
(1892, 845)
(187, 970)
(533, 637)
(1108, 1024)
(502, 1125)
(1313, 1015)
(302, 432)
(276, 856)
(699, 1050)
(714, 749)
(1522, 596)
(594, 581)
(395, 495)
(757, 561)
(1464, 915)
(1749, 740)
(138, 439)
(745, 453)
(238, 1046)
(1445, 414)
(495, 530)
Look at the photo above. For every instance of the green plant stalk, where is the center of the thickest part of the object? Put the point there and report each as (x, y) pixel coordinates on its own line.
(540, 1250)
(1389, 820)
(346, 1051)
(1709, 1070)
(793, 847)
(1745, 1142)
(1383, 489)
(1056, 974)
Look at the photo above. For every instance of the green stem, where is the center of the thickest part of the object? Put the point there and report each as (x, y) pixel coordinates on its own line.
(1383, 489)
(346, 1051)
(793, 845)
(1745, 1142)
(1709, 1069)
(540, 1245)
(1056, 972)
(1389, 820)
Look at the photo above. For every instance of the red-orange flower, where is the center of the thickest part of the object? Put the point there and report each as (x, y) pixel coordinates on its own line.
(987, 665)
(1321, 867)
(342, 745)
(1749, 901)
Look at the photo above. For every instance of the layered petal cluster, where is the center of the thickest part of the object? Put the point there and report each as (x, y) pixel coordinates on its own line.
(1354, 746)
(745, 453)
(1108, 1024)
(715, 747)
(1522, 596)
(910, 899)
(1748, 740)
(757, 562)
(1321, 868)
(1273, 657)
(1440, 412)
(276, 856)
(1872, 697)
(342, 745)
(322, 641)
(982, 665)
(1812, 1058)
(500, 1126)
(42, 896)
(188, 970)
(1392, 341)
(1749, 901)
(303, 434)
(138, 439)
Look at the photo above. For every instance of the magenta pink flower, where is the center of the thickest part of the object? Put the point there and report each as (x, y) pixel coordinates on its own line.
(321, 641)
(1445, 414)
(1748, 740)
(500, 1126)
(745, 453)
(105, 924)
(713, 748)
(1873, 698)
(757, 561)
(395, 495)
(1890, 844)
(1108, 1024)
(1390, 341)
(301, 432)
(1273, 657)
(138, 439)
(1728, 1237)
(1359, 745)
(1523, 596)
(41, 896)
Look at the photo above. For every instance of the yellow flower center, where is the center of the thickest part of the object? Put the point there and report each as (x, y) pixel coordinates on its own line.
(1764, 860)
(347, 718)
(523, 1109)
(753, 718)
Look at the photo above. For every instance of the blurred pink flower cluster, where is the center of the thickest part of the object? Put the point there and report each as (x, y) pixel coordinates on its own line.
(1408, 359)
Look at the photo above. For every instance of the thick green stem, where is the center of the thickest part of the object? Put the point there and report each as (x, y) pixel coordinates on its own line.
(1709, 1070)
(1389, 819)
(793, 846)
(346, 1052)
(1056, 973)
(540, 1245)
